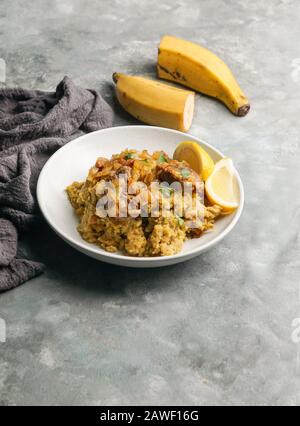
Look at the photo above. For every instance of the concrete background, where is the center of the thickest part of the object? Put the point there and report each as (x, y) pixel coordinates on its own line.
(217, 329)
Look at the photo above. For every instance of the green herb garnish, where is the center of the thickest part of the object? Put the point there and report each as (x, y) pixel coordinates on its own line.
(179, 220)
(185, 173)
(162, 159)
(129, 156)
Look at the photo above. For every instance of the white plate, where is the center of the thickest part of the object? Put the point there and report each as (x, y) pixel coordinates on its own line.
(72, 162)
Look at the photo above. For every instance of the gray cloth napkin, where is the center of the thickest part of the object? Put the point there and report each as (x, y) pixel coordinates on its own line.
(34, 124)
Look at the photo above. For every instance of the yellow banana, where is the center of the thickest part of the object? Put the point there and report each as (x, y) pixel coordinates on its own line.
(155, 103)
(194, 66)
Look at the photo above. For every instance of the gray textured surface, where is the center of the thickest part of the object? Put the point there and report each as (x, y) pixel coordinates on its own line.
(216, 330)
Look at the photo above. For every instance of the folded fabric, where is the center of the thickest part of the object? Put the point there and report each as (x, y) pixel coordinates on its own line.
(33, 125)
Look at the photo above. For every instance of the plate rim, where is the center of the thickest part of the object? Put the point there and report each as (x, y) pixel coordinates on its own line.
(136, 259)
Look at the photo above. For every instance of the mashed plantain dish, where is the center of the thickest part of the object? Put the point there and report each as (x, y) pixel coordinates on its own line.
(141, 204)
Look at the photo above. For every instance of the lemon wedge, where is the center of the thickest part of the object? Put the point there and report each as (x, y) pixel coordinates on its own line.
(222, 188)
(196, 157)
